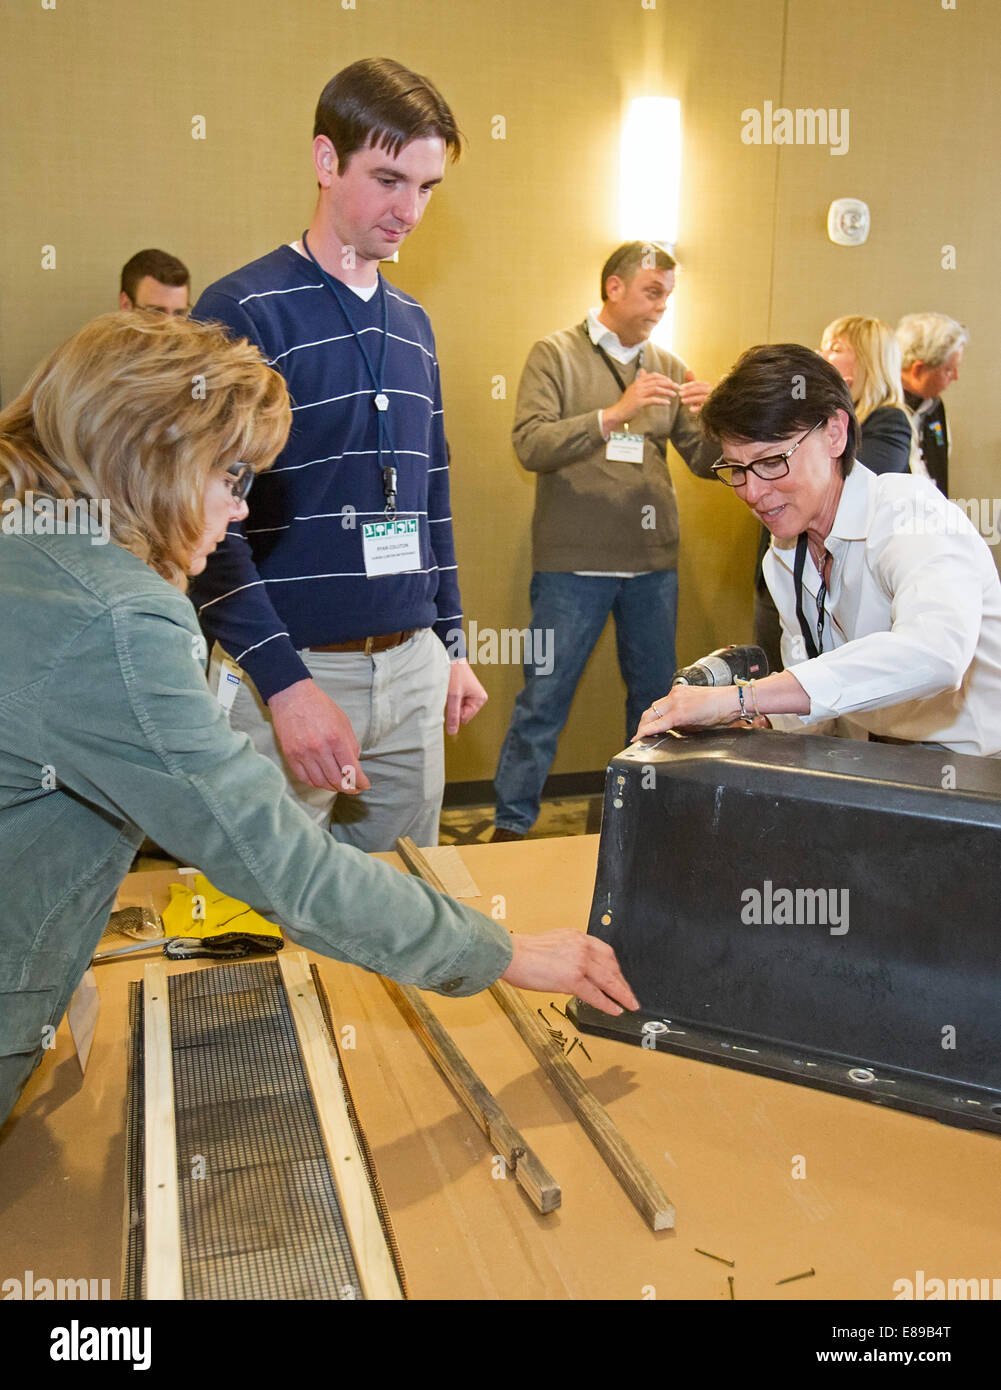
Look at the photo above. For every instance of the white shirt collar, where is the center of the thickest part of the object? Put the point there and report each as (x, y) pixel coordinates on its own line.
(603, 337)
(855, 507)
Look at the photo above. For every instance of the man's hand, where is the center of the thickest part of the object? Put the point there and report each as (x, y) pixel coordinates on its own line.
(466, 697)
(568, 962)
(647, 388)
(317, 739)
(693, 393)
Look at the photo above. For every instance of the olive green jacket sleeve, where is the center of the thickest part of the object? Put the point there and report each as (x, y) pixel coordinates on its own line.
(128, 723)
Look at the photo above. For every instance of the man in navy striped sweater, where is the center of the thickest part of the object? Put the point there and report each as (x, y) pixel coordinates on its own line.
(332, 603)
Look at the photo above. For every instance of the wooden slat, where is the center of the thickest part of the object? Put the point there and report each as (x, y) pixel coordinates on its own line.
(164, 1279)
(622, 1159)
(532, 1175)
(361, 1218)
(625, 1163)
(418, 863)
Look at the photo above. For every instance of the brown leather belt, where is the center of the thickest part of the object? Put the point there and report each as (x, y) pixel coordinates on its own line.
(368, 645)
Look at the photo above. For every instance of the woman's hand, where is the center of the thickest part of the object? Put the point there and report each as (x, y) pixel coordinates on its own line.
(703, 707)
(690, 707)
(565, 961)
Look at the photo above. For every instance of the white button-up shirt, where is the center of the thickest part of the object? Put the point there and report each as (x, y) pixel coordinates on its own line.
(912, 636)
(603, 337)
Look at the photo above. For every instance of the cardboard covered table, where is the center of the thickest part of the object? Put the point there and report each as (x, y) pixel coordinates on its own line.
(779, 1179)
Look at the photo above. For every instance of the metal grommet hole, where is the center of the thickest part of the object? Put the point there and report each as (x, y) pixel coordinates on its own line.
(861, 1074)
(655, 1027)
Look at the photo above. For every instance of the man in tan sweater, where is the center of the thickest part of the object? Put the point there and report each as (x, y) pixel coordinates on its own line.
(596, 407)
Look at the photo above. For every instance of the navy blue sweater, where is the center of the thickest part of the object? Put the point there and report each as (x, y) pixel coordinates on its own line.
(293, 574)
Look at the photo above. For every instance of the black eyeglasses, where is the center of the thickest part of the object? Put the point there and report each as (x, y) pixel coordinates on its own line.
(774, 466)
(240, 479)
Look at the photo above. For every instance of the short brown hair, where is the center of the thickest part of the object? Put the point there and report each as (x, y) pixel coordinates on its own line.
(775, 390)
(377, 101)
(160, 265)
(140, 410)
(631, 256)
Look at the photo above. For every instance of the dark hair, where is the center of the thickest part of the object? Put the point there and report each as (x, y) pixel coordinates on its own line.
(377, 101)
(626, 259)
(775, 390)
(157, 264)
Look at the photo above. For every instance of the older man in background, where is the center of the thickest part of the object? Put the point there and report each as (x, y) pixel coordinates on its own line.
(931, 346)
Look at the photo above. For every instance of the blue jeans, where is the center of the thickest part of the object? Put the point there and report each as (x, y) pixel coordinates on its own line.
(575, 608)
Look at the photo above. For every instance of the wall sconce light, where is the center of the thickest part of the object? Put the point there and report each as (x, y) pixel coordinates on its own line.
(650, 181)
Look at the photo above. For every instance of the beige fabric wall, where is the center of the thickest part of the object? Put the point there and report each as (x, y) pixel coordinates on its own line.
(98, 160)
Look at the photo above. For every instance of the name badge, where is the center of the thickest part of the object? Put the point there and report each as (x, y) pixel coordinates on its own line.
(624, 447)
(230, 679)
(391, 547)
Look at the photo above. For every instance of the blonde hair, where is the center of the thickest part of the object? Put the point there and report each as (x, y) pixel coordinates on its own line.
(876, 379)
(140, 410)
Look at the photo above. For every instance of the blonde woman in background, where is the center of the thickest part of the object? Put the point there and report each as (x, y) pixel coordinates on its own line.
(866, 353)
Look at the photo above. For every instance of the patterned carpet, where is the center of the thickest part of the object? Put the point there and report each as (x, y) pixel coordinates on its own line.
(466, 825)
(472, 825)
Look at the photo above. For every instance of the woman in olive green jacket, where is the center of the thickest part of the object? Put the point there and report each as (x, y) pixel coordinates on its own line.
(122, 463)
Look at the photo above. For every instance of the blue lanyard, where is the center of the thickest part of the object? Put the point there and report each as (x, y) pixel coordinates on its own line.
(383, 440)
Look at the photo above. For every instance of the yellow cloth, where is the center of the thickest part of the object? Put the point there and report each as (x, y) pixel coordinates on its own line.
(210, 921)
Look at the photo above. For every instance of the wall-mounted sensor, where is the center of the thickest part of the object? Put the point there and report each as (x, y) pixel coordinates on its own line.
(848, 221)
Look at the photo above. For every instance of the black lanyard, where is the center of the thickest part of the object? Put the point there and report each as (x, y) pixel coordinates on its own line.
(608, 361)
(383, 438)
(813, 649)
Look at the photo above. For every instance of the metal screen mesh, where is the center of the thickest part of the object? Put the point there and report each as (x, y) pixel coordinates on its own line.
(260, 1216)
(133, 1273)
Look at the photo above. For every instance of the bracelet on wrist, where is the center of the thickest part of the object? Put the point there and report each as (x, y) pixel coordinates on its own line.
(742, 685)
(754, 699)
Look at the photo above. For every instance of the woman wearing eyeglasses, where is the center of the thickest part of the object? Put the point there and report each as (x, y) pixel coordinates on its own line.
(108, 730)
(889, 599)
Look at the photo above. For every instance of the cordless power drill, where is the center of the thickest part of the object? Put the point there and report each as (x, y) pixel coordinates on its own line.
(724, 667)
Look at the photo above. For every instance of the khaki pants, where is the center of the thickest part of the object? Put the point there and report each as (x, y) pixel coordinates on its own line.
(395, 701)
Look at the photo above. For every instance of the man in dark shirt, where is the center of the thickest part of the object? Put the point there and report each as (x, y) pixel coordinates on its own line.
(931, 346)
(336, 598)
